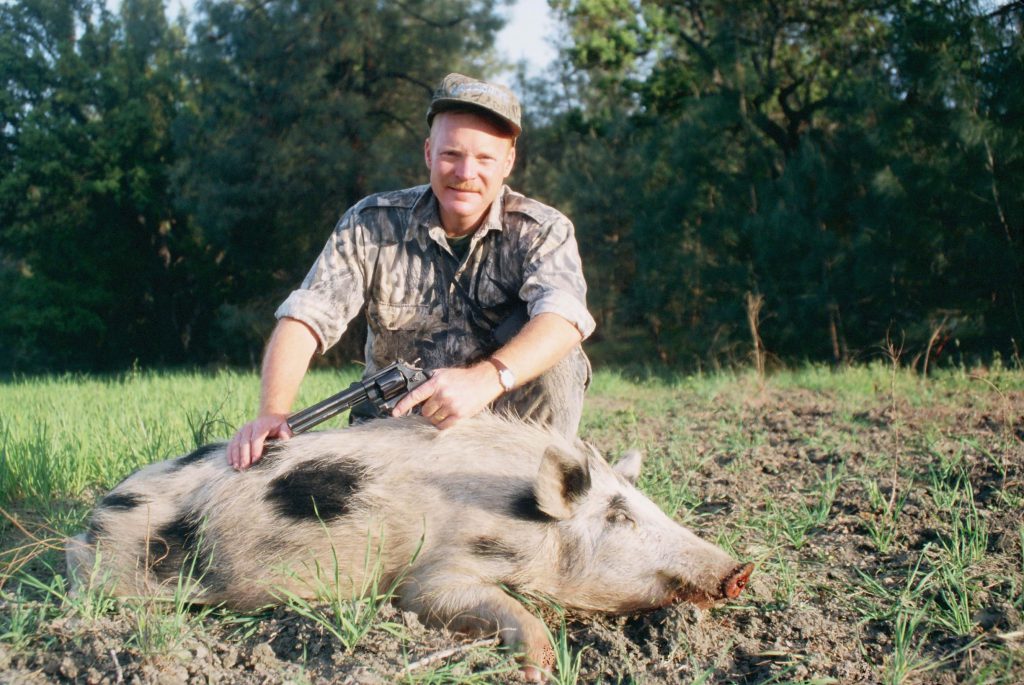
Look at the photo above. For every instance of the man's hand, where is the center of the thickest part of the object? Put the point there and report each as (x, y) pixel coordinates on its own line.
(246, 448)
(453, 394)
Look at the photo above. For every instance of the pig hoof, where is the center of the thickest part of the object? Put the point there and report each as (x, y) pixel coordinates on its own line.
(738, 580)
(534, 673)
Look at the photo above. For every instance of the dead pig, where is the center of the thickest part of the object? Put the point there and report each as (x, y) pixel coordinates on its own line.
(488, 503)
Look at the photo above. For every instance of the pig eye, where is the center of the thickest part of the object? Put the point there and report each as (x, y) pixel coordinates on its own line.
(618, 517)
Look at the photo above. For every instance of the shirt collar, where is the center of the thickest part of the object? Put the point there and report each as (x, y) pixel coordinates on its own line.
(426, 225)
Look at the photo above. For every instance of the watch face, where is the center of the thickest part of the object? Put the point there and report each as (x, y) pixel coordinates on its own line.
(507, 379)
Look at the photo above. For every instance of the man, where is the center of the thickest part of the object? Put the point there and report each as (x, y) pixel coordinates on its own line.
(476, 282)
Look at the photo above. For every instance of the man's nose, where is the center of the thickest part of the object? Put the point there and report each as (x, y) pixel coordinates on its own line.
(466, 168)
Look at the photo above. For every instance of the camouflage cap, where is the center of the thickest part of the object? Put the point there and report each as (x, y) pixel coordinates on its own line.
(457, 91)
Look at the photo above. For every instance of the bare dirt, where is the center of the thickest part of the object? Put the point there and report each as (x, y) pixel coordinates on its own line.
(826, 604)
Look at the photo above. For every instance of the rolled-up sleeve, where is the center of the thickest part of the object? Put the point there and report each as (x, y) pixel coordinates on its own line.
(553, 276)
(332, 293)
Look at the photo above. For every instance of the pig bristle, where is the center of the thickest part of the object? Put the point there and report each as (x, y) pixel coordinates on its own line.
(198, 455)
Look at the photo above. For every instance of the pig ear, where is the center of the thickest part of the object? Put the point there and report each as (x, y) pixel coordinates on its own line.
(628, 466)
(562, 481)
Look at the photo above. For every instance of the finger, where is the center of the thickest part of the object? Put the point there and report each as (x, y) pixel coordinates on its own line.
(232, 452)
(415, 397)
(430, 408)
(244, 455)
(256, 447)
(447, 423)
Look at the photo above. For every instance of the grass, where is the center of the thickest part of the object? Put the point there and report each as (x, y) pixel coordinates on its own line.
(882, 509)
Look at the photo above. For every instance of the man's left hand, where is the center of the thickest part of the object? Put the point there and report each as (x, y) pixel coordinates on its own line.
(453, 394)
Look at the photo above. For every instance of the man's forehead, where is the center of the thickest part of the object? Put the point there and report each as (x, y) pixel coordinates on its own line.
(461, 128)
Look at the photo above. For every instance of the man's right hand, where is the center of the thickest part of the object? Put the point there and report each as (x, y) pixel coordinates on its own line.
(246, 448)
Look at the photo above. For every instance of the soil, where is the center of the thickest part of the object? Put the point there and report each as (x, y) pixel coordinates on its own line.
(750, 456)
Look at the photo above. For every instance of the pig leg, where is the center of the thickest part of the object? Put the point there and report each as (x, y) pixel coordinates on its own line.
(465, 605)
(80, 557)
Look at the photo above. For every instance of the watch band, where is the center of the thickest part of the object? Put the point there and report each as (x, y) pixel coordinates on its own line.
(505, 375)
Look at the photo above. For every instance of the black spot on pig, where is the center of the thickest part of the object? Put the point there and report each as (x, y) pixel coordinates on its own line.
(196, 456)
(320, 489)
(575, 481)
(94, 532)
(490, 548)
(178, 549)
(524, 507)
(122, 501)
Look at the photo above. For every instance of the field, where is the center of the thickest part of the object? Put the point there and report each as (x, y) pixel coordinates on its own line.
(883, 511)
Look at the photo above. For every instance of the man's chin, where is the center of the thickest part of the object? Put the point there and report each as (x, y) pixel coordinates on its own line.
(464, 209)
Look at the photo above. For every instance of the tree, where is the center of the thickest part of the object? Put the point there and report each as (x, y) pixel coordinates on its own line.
(90, 242)
(835, 157)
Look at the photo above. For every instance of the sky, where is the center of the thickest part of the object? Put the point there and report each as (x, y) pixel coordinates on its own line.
(527, 35)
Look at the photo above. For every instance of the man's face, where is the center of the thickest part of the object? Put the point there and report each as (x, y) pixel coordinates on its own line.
(469, 158)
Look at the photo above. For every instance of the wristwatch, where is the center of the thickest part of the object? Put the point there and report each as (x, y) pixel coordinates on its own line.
(505, 376)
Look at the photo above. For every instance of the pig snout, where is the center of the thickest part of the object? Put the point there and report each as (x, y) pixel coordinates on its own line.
(728, 586)
(734, 583)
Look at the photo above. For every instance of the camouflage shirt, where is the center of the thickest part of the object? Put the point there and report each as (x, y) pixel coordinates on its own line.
(390, 253)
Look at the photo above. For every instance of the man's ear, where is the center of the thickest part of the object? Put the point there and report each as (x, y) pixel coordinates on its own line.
(426, 152)
(510, 160)
(562, 481)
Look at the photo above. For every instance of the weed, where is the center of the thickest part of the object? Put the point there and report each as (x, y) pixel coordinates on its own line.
(349, 616)
(457, 673)
(567, 663)
(161, 625)
(882, 523)
(203, 425)
(954, 599)
(791, 523)
(787, 585)
(20, 620)
(968, 537)
(876, 601)
(905, 661)
(89, 601)
(672, 490)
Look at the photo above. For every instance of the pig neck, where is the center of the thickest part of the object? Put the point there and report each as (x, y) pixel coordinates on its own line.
(551, 569)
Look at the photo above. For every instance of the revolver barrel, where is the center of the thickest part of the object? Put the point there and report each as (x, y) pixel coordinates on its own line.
(384, 389)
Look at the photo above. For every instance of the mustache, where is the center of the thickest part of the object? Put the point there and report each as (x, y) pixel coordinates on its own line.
(468, 187)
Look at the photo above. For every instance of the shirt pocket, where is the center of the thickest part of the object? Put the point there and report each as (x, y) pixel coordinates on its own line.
(398, 317)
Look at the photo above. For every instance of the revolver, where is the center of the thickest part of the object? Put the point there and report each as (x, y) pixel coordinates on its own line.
(383, 389)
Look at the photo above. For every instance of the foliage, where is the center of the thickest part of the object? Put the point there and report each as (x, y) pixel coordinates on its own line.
(95, 264)
(855, 163)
